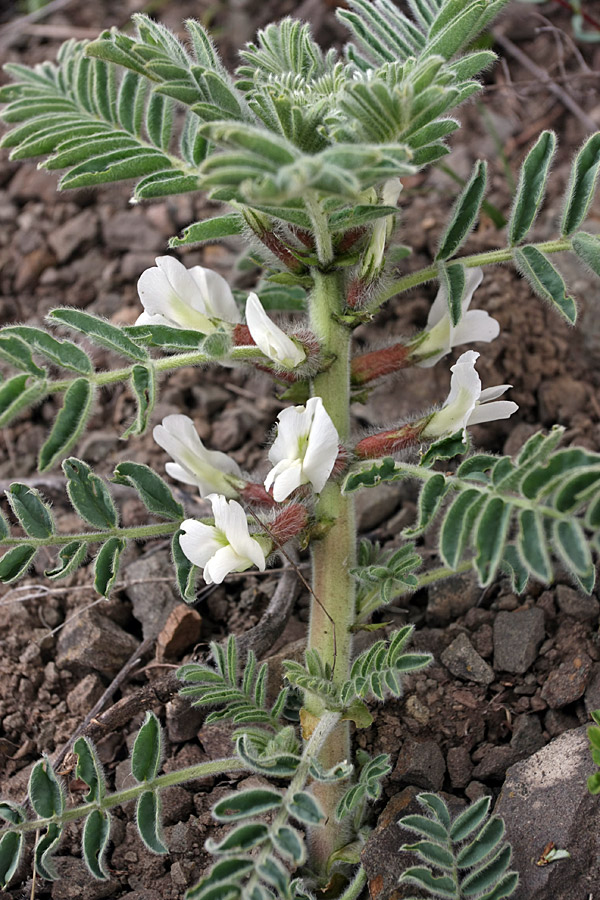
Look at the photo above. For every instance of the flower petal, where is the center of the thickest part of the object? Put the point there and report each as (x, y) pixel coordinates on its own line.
(218, 299)
(199, 542)
(224, 561)
(178, 436)
(493, 393)
(273, 342)
(475, 325)
(286, 476)
(323, 446)
(489, 412)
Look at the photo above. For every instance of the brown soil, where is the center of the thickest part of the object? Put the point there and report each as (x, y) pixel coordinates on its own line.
(447, 732)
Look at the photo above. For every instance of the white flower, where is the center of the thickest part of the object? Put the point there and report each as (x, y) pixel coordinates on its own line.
(223, 547)
(467, 404)
(442, 335)
(185, 298)
(273, 342)
(209, 470)
(304, 451)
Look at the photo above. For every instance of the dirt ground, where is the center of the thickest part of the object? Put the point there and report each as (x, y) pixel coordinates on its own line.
(60, 648)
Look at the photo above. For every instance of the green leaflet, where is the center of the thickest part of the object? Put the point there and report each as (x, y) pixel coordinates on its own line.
(11, 848)
(580, 191)
(106, 566)
(545, 280)
(148, 818)
(89, 769)
(69, 423)
(89, 495)
(532, 186)
(490, 536)
(16, 352)
(151, 488)
(15, 563)
(44, 850)
(146, 756)
(143, 386)
(33, 514)
(209, 230)
(465, 213)
(45, 792)
(587, 249)
(62, 353)
(186, 573)
(94, 842)
(17, 394)
(244, 804)
(100, 332)
(453, 279)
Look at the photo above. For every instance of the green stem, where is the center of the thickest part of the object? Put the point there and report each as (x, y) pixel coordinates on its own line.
(355, 888)
(487, 258)
(164, 364)
(202, 770)
(135, 533)
(333, 556)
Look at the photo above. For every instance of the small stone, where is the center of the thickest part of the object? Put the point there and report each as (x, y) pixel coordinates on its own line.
(94, 642)
(483, 641)
(181, 631)
(416, 710)
(153, 598)
(464, 662)
(76, 231)
(450, 598)
(460, 767)
(567, 683)
(232, 428)
(495, 762)
(209, 399)
(420, 763)
(31, 267)
(183, 720)
(517, 636)
(557, 722)
(475, 790)
(84, 695)
(131, 228)
(576, 604)
(527, 736)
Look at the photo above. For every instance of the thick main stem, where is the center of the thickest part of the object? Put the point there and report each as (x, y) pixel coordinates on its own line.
(333, 556)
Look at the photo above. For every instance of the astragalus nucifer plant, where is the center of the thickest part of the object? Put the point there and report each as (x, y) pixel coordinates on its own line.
(306, 150)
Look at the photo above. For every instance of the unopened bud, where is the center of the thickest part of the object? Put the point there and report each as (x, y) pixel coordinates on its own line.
(255, 493)
(378, 363)
(291, 521)
(387, 442)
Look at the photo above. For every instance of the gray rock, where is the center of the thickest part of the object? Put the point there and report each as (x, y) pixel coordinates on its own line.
(577, 604)
(93, 642)
(420, 763)
(375, 506)
(183, 720)
(464, 662)
(85, 693)
(567, 683)
(527, 738)
(545, 798)
(152, 600)
(517, 637)
(460, 767)
(450, 598)
(76, 231)
(177, 804)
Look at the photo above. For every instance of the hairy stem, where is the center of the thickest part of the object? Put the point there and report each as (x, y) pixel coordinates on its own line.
(202, 770)
(333, 556)
(134, 533)
(487, 258)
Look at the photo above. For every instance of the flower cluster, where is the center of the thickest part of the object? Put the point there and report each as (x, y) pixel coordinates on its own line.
(307, 444)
